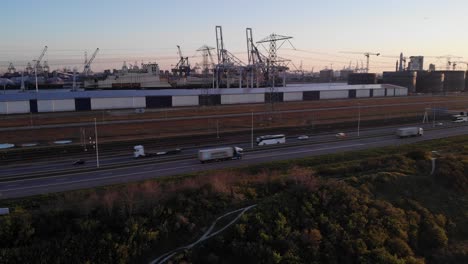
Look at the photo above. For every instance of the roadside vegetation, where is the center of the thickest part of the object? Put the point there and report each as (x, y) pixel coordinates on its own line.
(373, 206)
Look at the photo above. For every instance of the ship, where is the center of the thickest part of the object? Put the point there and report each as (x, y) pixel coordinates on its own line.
(146, 77)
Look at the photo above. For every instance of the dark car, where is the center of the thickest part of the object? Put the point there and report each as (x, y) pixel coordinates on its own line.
(79, 162)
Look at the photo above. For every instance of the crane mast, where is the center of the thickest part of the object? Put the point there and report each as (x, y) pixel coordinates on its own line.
(367, 55)
(38, 61)
(87, 67)
(183, 66)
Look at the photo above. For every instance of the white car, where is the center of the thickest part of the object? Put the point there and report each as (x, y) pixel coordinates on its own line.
(303, 137)
(340, 135)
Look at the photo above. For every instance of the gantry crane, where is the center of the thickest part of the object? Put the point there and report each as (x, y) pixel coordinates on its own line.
(87, 66)
(366, 54)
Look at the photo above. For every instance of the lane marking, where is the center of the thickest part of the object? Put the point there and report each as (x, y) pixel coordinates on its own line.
(105, 170)
(90, 180)
(302, 151)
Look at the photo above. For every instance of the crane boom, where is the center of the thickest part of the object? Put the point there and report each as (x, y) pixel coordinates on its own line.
(87, 67)
(367, 54)
(38, 61)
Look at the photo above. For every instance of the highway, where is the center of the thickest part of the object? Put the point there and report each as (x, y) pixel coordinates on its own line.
(72, 178)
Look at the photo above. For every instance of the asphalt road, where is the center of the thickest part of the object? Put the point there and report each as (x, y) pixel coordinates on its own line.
(114, 158)
(78, 180)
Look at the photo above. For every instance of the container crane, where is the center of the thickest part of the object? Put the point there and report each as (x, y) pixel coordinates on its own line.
(207, 58)
(366, 54)
(87, 67)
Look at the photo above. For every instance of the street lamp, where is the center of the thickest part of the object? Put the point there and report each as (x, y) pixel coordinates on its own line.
(252, 133)
(96, 143)
(359, 120)
(35, 73)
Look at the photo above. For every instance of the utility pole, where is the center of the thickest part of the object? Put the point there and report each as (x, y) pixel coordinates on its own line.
(96, 142)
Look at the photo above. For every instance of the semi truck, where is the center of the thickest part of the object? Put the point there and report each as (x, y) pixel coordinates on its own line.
(409, 132)
(459, 118)
(219, 154)
(139, 152)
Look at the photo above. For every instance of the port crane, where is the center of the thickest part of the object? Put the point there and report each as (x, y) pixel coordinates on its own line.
(256, 61)
(87, 67)
(38, 61)
(207, 58)
(182, 67)
(449, 59)
(455, 63)
(366, 54)
(228, 65)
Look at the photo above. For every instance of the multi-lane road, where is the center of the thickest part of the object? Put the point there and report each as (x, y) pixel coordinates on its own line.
(56, 176)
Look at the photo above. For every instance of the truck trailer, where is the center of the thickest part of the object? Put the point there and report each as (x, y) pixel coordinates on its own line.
(219, 154)
(139, 152)
(409, 132)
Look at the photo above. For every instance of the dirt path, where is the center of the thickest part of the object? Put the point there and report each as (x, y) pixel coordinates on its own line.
(207, 235)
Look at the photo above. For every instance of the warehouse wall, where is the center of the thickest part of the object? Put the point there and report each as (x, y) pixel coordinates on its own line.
(14, 107)
(340, 94)
(311, 96)
(117, 103)
(56, 105)
(242, 98)
(379, 92)
(296, 96)
(390, 91)
(362, 93)
(189, 100)
(401, 92)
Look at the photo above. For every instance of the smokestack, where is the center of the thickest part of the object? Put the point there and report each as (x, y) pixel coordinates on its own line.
(401, 62)
(396, 66)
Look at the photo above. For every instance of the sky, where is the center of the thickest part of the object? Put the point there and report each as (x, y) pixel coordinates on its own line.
(150, 30)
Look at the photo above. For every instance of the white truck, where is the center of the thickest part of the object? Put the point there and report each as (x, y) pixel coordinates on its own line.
(219, 154)
(409, 132)
(139, 152)
(459, 118)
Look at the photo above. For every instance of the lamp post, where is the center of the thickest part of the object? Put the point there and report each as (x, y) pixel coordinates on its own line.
(251, 134)
(35, 74)
(96, 142)
(359, 120)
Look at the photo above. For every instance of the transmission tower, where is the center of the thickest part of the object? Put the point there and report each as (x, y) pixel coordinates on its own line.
(274, 63)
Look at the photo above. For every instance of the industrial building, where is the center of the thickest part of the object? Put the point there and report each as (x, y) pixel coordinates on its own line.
(15, 102)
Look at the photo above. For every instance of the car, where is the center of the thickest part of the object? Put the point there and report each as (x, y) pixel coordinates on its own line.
(79, 162)
(340, 135)
(303, 137)
(440, 124)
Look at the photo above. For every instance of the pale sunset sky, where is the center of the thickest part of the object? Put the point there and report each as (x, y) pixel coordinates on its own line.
(150, 30)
